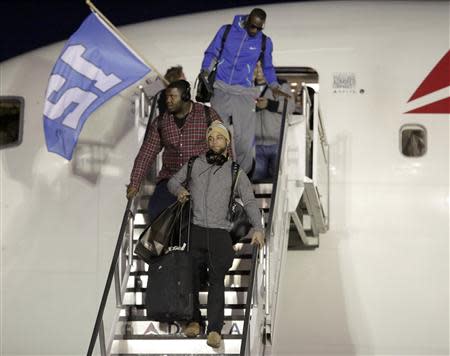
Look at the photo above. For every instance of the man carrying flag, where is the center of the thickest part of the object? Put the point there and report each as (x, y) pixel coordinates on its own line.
(94, 65)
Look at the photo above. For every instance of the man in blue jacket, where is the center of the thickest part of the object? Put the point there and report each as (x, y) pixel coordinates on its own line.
(234, 92)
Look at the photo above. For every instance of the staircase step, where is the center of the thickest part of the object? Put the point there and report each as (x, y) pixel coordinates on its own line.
(144, 318)
(231, 297)
(231, 344)
(239, 279)
(230, 310)
(263, 188)
(229, 273)
(243, 248)
(239, 255)
(263, 202)
(202, 289)
(141, 354)
(147, 327)
(240, 263)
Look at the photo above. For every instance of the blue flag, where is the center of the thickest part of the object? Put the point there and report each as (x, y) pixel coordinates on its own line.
(94, 66)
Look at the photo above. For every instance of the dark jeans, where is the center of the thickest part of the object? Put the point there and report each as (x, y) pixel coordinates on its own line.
(212, 251)
(160, 200)
(266, 161)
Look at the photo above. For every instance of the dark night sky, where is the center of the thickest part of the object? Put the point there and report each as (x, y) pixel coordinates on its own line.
(29, 24)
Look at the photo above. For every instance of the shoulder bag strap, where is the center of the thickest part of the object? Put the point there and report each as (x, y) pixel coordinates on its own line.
(207, 115)
(186, 185)
(234, 177)
(224, 38)
(263, 48)
(189, 171)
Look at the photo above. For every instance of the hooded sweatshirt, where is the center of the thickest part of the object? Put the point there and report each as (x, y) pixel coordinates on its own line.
(210, 189)
(239, 56)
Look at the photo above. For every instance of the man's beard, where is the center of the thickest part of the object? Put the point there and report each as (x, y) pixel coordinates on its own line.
(220, 152)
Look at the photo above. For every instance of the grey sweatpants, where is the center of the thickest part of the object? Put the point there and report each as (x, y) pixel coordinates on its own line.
(238, 109)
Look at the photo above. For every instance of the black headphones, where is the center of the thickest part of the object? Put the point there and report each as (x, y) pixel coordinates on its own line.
(217, 159)
(186, 94)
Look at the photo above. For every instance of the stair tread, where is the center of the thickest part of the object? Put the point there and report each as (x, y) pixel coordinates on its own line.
(202, 289)
(241, 256)
(202, 306)
(170, 336)
(174, 346)
(229, 273)
(189, 354)
(144, 318)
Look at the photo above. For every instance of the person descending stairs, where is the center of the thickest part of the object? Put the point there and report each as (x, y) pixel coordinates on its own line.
(135, 334)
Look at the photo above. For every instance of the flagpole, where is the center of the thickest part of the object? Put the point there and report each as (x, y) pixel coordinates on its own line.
(104, 18)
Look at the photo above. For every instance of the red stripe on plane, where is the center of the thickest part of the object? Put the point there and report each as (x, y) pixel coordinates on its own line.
(438, 107)
(438, 78)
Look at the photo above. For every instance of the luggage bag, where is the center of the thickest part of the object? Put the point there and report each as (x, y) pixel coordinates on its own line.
(169, 295)
(170, 284)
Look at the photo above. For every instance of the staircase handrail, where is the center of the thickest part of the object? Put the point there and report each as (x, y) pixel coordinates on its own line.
(269, 226)
(275, 178)
(98, 321)
(249, 300)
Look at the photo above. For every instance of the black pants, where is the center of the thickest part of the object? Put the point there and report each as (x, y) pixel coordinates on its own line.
(213, 255)
(160, 200)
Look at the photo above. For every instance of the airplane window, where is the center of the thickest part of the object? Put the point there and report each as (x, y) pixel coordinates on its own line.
(413, 140)
(11, 120)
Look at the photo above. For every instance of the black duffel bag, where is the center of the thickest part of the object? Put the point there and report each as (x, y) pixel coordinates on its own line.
(241, 225)
(204, 87)
(169, 226)
(236, 214)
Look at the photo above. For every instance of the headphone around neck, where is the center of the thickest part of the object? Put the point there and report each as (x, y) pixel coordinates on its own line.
(217, 159)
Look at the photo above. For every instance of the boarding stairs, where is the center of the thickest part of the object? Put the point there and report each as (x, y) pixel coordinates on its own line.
(122, 327)
(135, 334)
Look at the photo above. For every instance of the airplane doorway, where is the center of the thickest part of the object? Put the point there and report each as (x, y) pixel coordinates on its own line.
(295, 76)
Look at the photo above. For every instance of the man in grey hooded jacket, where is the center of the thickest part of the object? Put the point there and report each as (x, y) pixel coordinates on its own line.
(269, 108)
(210, 243)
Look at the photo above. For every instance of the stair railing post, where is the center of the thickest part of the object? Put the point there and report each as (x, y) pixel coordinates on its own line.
(266, 277)
(131, 235)
(117, 288)
(102, 339)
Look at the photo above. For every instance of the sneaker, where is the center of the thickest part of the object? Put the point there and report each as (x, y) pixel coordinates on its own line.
(214, 339)
(192, 329)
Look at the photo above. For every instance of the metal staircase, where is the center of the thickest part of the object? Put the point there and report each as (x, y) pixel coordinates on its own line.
(252, 284)
(135, 334)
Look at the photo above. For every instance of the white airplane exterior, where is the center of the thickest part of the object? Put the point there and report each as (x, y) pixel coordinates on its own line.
(378, 284)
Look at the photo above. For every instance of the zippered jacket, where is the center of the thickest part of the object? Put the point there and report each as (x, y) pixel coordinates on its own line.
(210, 188)
(239, 56)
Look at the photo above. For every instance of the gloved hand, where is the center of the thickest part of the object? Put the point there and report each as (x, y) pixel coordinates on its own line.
(258, 239)
(131, 192)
